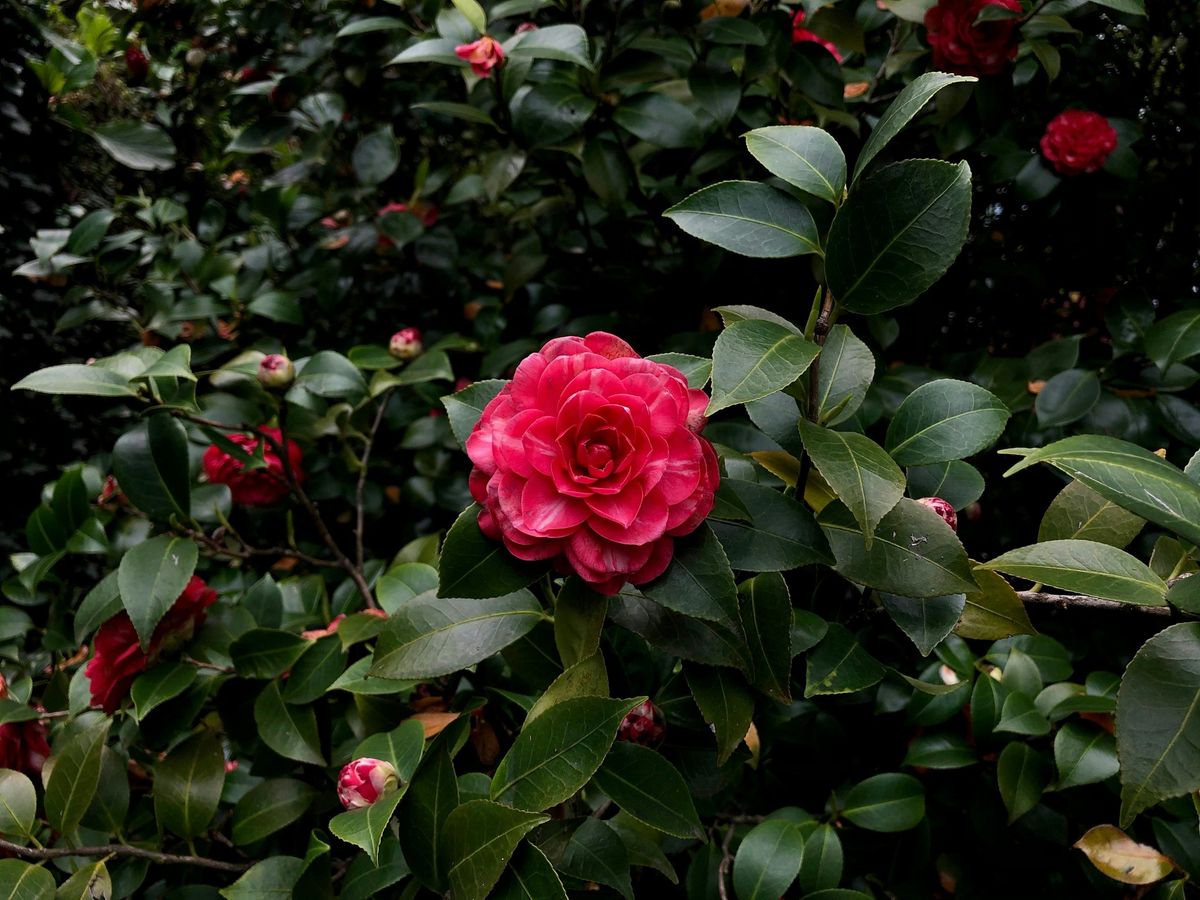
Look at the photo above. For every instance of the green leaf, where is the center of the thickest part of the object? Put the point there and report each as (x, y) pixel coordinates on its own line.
(72, 782)
(478, 839)
(956, 482)
(473, 13)
(726, 703)
(677, 634)
(431, 636)
(76, 379)
(368, 25)
(150, 463)
(26, 882)
(316, 670)
(268, 807)
(1174, 339)
(1067, 397)
(748, 218)
(578, 621)
(266, 652)
(364, 827)
(699, 581)
(271, 879)
(1134, 7)
(642, 783)
(100, 604)
(940, 751)
(943, 420)
(594, 852)
(821, 864)
(910, 101)
(586, 678)
(1019, 715)
(659, 120)
(476, 567)
(806, 157)
(160, 684)
(1185, 594)
(782, 534)
(402, 747)
(914, 553)
(464, 111)
(138, 145)
(1080, 513)
(291, 731)
(993, 610)
(768, 860)
(860, 473)
(927, 620)
(187, 785)
(18, 803)
(89, 882)
(754, 358)
(555, 755)
(1023, 774)
(151, 577)
(1158, 720)
(840, 665)
(1084, 754)
(847, 370)
(376, 156)
(530, 877)
(565, 43)
(110, 805)
(766, 612)
(400, 584)
(465, 407)
(1085, 567)
(887, 803)
(431, 796)
(897, 234)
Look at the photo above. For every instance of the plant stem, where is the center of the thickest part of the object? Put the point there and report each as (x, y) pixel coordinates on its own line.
(364, 463)
(1083, 601)
(122, 850)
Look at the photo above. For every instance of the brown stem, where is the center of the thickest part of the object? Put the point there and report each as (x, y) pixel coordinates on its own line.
(122, 850)
(201, 664)
(1083, 601)
(820, 332)
(217, 548)
(723, 866)
(364, 463)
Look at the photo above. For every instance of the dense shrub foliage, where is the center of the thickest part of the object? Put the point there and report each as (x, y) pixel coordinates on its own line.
(658, 449)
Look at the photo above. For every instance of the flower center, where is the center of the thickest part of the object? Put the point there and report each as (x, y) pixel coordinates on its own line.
(595, 455)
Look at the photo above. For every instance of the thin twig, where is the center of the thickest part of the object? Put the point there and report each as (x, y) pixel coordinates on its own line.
(359, 554)
(820, 329)
(201, 664)
(122, 850)
(1083, 601)
(723, 865)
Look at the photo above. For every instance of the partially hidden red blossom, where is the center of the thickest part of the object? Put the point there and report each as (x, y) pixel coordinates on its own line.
(961, 46)
(406, 344)
(363, 781)
(136, 62)
(800, 34)
(483, 55)
(943, 508)
(1077, 142)
(23, 745)
(592, 456)
(119, 658)
(253, 487)
(426, 212)
(644, 724)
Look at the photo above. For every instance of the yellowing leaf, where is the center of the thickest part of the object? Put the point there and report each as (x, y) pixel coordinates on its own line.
(1121, 858)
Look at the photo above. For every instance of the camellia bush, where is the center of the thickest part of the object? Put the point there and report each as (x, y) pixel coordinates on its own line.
(412, 554)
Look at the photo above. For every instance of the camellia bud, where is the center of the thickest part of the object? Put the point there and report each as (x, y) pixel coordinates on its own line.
(406, 344)
(363, 781)
(136, 62)
(644, 724)
(275, 371)
(943, 509)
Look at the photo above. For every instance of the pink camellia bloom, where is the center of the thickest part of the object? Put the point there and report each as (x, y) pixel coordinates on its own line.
(275, 371)
(406, 344)
(363, 781)
(1078, 142)
(965, 47)
(800, 34)
(943, 509)
(644, 724)
(483, 55)
(263, 486)
(591, 456)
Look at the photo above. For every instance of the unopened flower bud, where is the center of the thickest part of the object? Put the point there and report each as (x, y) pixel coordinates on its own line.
(363, 781)
(406, 344)
(943, 509)
(275, 371)
(644, 724)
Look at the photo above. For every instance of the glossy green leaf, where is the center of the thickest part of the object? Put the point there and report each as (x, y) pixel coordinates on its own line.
(846, 371)
(748, 218)
(806, 157)
(586, 678)
(402, 583)
(1067, 397)
(566, 43)
(940, 751)
(138, 145)
(1023, 774)
(376, 156)
(270, 806)
(90, 882)
(464, 408)
(781, 535)
(699, 581)
(72, 782)
(18, 803)
(271, 879)
(578, 621)
(529, 876)
(474, 566)
(957, 482)
(266, 652)
(77, 379)
(1085, 567)
(840, 665)
(291, 731)
(555, 755)
(187, 785)
(364, 827)
(766, 614)
(993, 610)
(725, 701)
(675, 633)
(316, 670)
(821, 864)
(478, 839)
(431, 796)
(1084, 754)
(1078, 512)
(150, 463)
(473, 13)
(402, 747)
(943, 420)
(926, 620)
(754, 358)
(1174, 338)
(660, 120)
(160, 684)
(858, 471)
(767, 860)
(151, 577)
(888, 803)
(25, 881)
(645, 785)
(595, 853)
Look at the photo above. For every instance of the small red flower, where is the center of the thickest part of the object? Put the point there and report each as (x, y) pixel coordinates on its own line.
(23, 745)
(364, 781)
(119, 658)
(1078, 142)
(961, 46)
(644, 724)
(136, 63)
(483, 55)
(943, 509)
(800, 34)
(253, 487)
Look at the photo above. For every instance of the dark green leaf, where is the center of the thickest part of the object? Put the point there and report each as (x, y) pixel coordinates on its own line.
(677, 634)
(887, 803)
(766, 612)
(464, 408)
(840, 665)
(266, 652)
(1085, 567)
(73, 780)
(76, 379)
(566, 43)
(726, 703)
(376, 156)
(748, 218)
(364, 827)
(151, 577)
(138, 145)
(768, 860)
(943, 420)
(475, 566)
(699, 581)
(160, 684)
(642, 783)
(660, 120)
(782, 534)
(291, 731)
(801, 155)
(578, 620)
(529, 877)
(821, 864)
(1174, 339)
(1084, 754)
(402, 747)
(187, 785)
(927, 620)
(858, 471)
(150, 464)
(478, 839)
(270, 806)
(1067, 397)
(1023, 774)
(431, 796)
(847, 370)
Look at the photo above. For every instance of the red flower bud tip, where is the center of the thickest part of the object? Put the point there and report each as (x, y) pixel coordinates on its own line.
(483, 55)
(525, 26)
(406, 344)
(965, 48)
(943, 509)
(801, 35)
(275, 371)
(136, 62)
(231, 765)
(644, 724)
(1078, 142)
(364, 781)
(109, 493)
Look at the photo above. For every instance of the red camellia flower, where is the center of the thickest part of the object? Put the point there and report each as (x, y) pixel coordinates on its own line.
(119, 658)
(591, 456)
(253, 487)
(644, 724)
(961, 46)
(800, 34)
(483, 55)
(1077, 142)
(426, 212)
(364, 781)
(136, 62)
(23, 745)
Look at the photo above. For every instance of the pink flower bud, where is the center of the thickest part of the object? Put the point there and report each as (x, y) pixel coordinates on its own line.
(943, 509)
(275, 371)
(406, 344)
(644, 724)
(363, 781)
(483, 55)
(524, 27)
